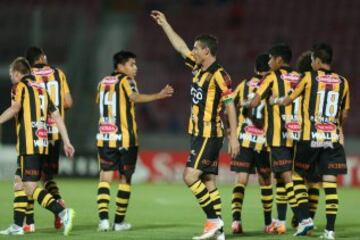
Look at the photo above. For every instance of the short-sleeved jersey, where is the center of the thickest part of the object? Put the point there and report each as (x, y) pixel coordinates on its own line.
(117, 126)
(284, 123)
(210, 89)
(31, 121)
(251, 122)
(54, 81)
(325, 96)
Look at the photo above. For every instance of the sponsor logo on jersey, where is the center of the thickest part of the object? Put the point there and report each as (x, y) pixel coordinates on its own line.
(42, 133)
(290, 77)
(110, 80)
(108, 128)
(254, 130)
(328, 79)
(293, 126)
(325, 127)
(43, 71)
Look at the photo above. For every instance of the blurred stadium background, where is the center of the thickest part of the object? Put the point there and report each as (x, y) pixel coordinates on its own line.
(81, 37)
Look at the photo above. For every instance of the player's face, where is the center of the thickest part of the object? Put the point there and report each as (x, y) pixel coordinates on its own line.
(129, 68)
(199, 52)
(274, 62)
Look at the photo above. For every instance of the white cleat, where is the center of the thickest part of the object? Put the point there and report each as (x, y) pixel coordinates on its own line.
(67, 218)
(220, 235)
(328, 235)
(121, 226)
(305, 227)
(211, 229)
(104, 225)
(13, 230)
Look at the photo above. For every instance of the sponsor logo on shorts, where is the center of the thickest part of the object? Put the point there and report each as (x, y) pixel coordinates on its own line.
(282, 162)
(254, 130)
(328, 79)
(206, 162)
(108, 128)
(293, 126)
(31, 172)
(337, 166)
(325, 127)
(240, 164)
(304, 166)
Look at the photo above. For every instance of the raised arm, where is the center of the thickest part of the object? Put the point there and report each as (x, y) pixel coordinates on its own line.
(176, 41)
(166, 92)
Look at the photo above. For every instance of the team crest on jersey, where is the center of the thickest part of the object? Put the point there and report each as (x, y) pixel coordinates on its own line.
(110, 80)
(43, 72)
(328, 79)
(50, 121)
(254, 130)
(108, 128)
(42, 133)
(325, 127)
(293, 126)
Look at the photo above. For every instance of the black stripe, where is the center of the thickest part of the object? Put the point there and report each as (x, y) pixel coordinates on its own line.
(103, 190)
(33, 108)
(214, 109)
(202, 103)
(123, 194)
(312, 100)
(281, 91)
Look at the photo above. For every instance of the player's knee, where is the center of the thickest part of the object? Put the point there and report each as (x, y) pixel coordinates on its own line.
(106, 176)
(29, 188)
(241, 178)
(190, 176)
(18, 184)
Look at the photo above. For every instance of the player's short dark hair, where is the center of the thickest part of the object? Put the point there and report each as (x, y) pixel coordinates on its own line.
(208, 41)
(281, 50)
(122, 57)
(21, 65)
(303, 63)
(323, 51)
(33, 54)
(262, 63)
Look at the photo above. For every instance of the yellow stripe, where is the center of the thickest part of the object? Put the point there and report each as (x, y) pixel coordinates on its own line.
(208, 111)
(27, 124)
(206, 203)
(124, 187)
(331, 196)
(329, 185)
(36, 193)
(20, 193)
(122, 200)
(104, 185)
(123, 118)
(267, 197)
(237, 195)
(103, 196)
(103, 205)
(46, 200)
(201, 153)
(20, 205)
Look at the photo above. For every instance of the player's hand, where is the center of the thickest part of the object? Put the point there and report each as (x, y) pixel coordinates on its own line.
(166, 92)
(159, 17)
(233, 146)
(69, 150)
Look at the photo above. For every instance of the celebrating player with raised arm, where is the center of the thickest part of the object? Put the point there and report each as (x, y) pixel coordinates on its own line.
(210, 91)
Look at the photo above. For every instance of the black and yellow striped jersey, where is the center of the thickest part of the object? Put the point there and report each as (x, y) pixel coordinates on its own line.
(325, 96)
(251, 122)
(117, 125)
(31, 121)
(284, 123)
(54, 81)
(209, 90)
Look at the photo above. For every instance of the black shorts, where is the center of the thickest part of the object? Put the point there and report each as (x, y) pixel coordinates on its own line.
(248, 159)
(281, 159)
(51, 165)
(123, 160)
(30, 167)
(204, 154)
(314, 162)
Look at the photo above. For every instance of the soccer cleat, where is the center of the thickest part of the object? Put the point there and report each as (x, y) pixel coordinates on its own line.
(13, 230)
(271, 228)
(104, 225)
(236, 227)
(211, 229)
(29, 228)
(57, 220)
(67, 219)
(280, 227)
(220, 235)
(121, 226)
(305, 227)
(328, 235)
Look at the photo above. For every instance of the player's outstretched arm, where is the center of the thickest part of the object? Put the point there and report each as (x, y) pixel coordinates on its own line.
(176, 41)
(68, 148)
(166, 92)
(234, 145)
(10, 112)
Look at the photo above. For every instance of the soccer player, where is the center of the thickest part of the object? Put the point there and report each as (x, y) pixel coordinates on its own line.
(327, 98)
(31, 105)
(284, 126)
(117, 138)
(253, 152)
(54, 81)
(210, 91)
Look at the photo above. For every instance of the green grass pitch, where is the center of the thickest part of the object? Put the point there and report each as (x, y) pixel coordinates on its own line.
(169, 211)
